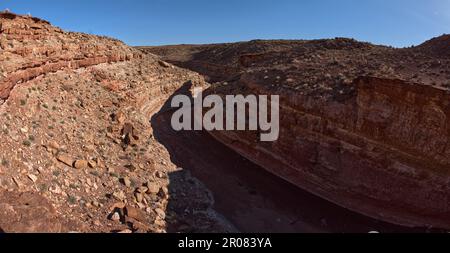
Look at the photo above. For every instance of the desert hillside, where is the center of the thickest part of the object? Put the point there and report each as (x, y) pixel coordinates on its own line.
(364, 126)
(314, 65)
(77, 150)
(87, 143)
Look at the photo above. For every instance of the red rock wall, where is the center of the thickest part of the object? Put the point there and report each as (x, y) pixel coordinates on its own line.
(384, 151)
(31, 47)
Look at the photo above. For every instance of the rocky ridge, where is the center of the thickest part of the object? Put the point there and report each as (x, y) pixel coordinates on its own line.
(77, 149)
(364, 126)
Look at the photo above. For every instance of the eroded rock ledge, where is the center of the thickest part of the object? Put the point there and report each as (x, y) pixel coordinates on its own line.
(32, 47)
(383, 151)
(362, 125)
(77, 150)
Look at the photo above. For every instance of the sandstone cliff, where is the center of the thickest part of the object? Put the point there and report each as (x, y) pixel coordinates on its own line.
(364, 126)
(77, 150)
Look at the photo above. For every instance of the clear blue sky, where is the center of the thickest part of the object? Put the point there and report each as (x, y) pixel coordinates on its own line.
(155, 22)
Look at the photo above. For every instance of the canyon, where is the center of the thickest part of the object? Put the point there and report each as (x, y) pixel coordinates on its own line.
(87, 144)
(363, 126)
(77, 150)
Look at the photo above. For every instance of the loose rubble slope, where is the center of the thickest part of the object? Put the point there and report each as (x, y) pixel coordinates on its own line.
(77, 150)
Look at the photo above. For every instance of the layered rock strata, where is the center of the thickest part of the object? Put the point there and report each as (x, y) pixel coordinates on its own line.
(77, 150)
(364, 126)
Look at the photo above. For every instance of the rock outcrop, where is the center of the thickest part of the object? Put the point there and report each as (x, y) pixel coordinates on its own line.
(32, 47)
(28, 213)
(382, 151)
(364, 126)
(77, 147)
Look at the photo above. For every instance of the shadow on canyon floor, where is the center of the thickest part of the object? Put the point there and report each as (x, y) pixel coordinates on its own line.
(246, 195)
